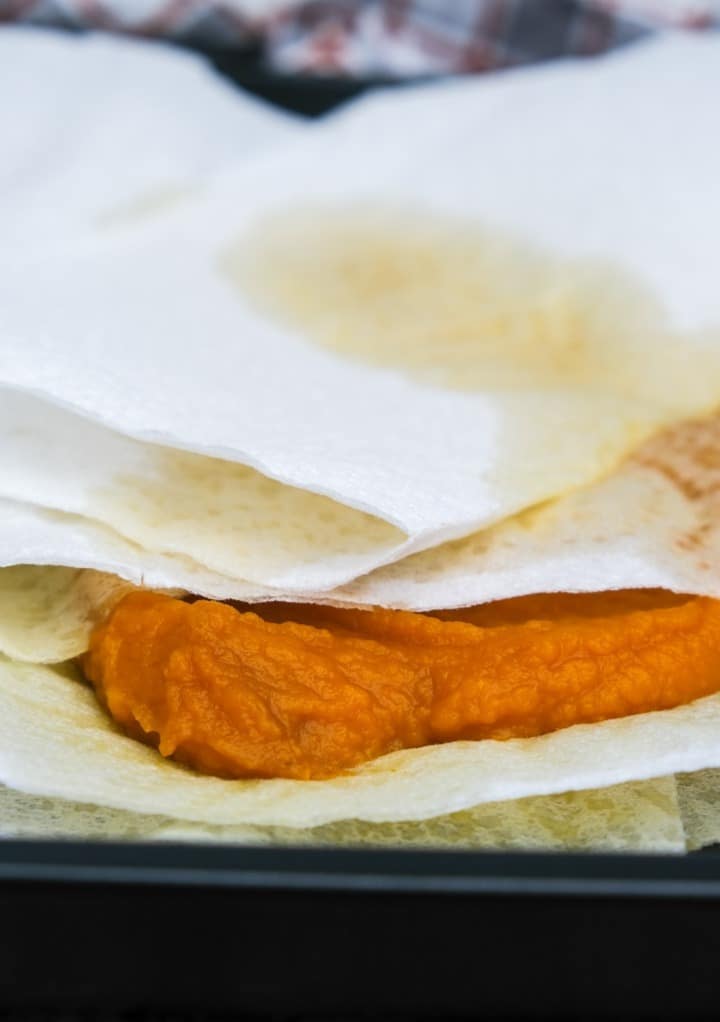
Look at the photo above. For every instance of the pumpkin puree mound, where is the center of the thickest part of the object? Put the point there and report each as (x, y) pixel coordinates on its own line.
(302, 691)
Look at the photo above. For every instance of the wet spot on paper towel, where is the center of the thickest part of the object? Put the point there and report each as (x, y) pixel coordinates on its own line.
(233, 518)
(464, 306)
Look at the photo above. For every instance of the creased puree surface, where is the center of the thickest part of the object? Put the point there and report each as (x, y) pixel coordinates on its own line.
(304, 691)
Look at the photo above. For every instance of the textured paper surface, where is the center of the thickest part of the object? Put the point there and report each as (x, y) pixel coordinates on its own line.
(37, 537)
(223, 515)
(46, 614)
(655, 522)
(652, 523)
(184, 358)
(56, 741)
(699, 803)
(630, 817)
(641, 116)
(97, 130)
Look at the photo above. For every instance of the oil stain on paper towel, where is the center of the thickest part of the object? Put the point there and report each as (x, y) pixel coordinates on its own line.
(462, 306)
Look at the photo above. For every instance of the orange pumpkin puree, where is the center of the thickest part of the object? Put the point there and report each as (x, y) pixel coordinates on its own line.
(288, 690)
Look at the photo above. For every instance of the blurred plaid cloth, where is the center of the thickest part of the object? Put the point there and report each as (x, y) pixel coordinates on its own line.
(386, 38)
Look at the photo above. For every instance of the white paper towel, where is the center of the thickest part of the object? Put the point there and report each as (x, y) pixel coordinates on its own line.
(94, 128)
(654, 522)
(145, 333)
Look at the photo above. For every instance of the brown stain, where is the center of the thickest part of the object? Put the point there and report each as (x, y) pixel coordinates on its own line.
(688, 457)
(459, 305)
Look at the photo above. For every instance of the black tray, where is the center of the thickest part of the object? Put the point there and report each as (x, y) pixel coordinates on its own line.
(346, 934)
(114, 929)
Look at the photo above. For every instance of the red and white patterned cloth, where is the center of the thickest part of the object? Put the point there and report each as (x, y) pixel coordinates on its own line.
(385, 38)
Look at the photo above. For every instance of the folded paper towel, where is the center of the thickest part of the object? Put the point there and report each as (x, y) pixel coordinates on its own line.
(198, 355)
(192, 357)
(95, 128)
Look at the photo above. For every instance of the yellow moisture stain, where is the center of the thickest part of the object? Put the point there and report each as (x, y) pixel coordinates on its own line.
(462, 306)
(47, 613)
(636, 815)
(235, 520)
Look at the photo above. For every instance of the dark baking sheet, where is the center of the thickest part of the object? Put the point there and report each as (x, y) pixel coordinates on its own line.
(343, 934)
(108, 930)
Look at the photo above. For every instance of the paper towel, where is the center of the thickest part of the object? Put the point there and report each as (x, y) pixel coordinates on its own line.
(98, 129)
(146, 332)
